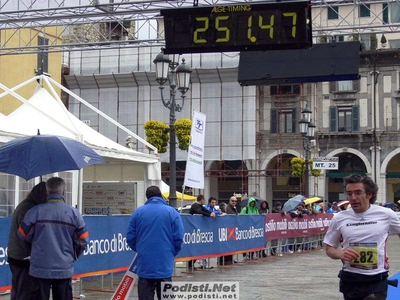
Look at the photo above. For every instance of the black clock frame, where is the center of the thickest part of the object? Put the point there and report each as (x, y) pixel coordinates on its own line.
(244, 27)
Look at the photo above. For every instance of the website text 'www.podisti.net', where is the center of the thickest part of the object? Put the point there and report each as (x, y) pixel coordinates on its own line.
(199, 290)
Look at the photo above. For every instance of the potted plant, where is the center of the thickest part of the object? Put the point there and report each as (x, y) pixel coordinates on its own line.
(182, 129)
(383, 41)
(157, 134)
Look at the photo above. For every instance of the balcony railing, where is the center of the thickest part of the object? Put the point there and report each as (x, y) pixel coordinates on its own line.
(237, 173)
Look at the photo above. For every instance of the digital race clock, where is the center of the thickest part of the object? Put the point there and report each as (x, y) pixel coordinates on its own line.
(268, 26)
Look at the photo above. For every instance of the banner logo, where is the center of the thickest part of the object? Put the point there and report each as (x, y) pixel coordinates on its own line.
(198, 237)
(199, 125)
(226, 234)
(234, 233)
(231, 233)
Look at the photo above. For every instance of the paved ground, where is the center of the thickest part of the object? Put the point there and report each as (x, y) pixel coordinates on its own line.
(298, 276)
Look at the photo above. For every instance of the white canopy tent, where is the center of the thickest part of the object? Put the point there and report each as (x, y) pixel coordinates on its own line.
(46, 112)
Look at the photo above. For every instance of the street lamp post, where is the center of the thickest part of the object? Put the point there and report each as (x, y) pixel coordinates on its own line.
(180, 79)
(307, 130)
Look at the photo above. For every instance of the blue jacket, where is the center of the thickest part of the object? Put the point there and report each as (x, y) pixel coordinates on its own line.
(212, 209)
(156, 233)
(58, 235)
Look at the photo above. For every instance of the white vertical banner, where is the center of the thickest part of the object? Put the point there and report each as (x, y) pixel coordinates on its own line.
(194, 174)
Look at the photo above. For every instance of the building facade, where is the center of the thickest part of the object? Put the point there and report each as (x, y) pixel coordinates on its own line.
(18, 67)
(252, 132)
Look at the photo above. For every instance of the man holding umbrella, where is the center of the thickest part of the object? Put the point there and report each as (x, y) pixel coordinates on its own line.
(293, 202)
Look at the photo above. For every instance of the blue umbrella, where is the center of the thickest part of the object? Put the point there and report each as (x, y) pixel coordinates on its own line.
(34, 156)
(292, 203)
(390, 205)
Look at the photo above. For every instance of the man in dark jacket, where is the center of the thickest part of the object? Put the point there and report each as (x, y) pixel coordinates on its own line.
(19, 251)
(299, 211)
(198, 208)
(58, 236)
(156, 233)
(277, 208)
(231, 208)
(264, 208)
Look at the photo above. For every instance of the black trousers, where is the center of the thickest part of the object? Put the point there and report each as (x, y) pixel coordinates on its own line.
(23, 285)
(359, 287)
(61, 289)
(146, 287)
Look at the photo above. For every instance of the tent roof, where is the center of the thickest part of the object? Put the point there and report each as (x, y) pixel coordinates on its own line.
(165, 193)
(47, 114)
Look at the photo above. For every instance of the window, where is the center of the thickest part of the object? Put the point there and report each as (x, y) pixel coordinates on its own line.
(117, 31)
(398, 80)
(394, 43)
(43, 55)
(394, 12)
(333, 12)
(331, 38)
(365, 40)
(344, 118)
(283, 120)
(285, 89)
(293, 181)
(364, 10)
(385, 13)
(346, 85)
(339, 38)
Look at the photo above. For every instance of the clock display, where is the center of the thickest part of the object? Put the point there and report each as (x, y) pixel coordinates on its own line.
(268, 26)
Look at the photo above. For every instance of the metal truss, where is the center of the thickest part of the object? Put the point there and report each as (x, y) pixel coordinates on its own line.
(16, 15)
(376, 24)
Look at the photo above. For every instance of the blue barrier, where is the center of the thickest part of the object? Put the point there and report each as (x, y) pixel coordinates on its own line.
(108, 249)
(5, 274)
(206, 237)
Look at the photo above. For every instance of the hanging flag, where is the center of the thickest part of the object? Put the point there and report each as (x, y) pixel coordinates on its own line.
(194, 174)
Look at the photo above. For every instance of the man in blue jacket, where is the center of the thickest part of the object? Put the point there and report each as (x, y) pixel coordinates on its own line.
(212, 201)
(59, 236)
(156, 233)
